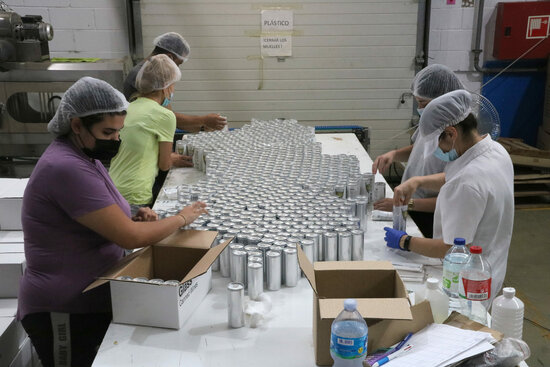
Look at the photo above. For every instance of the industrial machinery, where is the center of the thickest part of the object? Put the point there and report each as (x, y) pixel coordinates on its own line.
(31, 86)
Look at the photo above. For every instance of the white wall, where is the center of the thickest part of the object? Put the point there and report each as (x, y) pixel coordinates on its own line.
(452, 37)
(82, 28)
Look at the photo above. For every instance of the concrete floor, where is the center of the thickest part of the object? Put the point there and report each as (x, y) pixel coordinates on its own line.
(529, 273)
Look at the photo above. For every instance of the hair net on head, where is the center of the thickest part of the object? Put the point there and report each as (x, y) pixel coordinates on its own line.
(174, 43)
(448, 110)
(88, 96)
(157, 73)
(435, 80)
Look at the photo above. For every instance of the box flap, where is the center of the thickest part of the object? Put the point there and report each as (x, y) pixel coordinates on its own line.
(189, 238)
(118, 269)
(369, 308)
(202, 266)
(353, 265)
(307, 267)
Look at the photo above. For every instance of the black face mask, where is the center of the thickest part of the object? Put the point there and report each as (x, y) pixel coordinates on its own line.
(104, 149)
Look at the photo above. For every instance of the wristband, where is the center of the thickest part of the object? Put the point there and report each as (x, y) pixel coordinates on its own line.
(407, 243)
(184, 219)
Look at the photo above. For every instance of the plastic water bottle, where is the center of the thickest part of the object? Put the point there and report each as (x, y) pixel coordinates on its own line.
(348, 339)
(475, 286)
(454, 261)
(439, 301)
(507, 314)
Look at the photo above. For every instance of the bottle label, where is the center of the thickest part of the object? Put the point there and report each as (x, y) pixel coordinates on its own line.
(476, 290)
(348, 348)
(450, 280)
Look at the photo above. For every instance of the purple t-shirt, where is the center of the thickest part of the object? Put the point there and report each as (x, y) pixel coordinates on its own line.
(63, 256)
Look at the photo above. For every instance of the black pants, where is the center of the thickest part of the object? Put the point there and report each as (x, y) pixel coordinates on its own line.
(424, 222)
(66, 339)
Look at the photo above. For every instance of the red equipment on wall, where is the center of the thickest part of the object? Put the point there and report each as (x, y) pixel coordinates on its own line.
(519, 26)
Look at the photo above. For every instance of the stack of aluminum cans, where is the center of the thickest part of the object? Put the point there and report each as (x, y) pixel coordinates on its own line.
(269, 186)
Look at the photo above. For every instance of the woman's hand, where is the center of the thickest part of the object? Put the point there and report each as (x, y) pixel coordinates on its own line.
(383, 162)
(402, 194)
(385, 205)
(145, 215)
(214, 121)
(181, 160)
(193, 211)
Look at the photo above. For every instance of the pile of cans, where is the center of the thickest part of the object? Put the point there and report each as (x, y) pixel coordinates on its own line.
(269, 186)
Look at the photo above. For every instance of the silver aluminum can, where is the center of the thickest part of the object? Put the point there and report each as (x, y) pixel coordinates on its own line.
(254, 240)
(368, 186)
(315, 239)
(291, 269)
(274, 266)
(235, 305)
(330, 246)
(361, 210)
(249, 248)
(255, 279)
(238, 266)
(255, 257)
(216, 263)
(320, 249)
(400, 218)
(379, 191)
(344, 246)
(357, 244)
(308, 246)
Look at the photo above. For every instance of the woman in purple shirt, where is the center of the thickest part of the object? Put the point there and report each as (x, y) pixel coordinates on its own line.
(77, 225)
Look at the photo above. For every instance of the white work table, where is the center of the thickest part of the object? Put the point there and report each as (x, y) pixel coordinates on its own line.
(285, 339)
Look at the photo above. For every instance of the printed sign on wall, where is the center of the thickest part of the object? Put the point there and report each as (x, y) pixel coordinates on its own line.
(276, 38)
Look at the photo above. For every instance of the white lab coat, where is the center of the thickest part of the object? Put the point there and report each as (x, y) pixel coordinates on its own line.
(477, 203)
(422, 164)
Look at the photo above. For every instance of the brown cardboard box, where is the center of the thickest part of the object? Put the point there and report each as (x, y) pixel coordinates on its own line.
(379, 291)
(185, 255)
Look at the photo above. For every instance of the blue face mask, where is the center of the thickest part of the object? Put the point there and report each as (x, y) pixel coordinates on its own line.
(420, 110)
(450, 156)
(167, 101)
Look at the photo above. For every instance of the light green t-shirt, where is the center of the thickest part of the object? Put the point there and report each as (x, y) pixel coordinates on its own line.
(135, 167)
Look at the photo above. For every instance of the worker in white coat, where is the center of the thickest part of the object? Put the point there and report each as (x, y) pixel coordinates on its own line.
(476, 191)
(431, 82)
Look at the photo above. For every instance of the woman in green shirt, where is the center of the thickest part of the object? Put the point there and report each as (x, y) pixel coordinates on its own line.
(147, 134)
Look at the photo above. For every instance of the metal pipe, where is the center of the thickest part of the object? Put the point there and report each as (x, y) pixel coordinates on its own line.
(135, 36)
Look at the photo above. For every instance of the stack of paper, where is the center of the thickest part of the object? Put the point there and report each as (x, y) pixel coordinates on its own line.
(410, 272)
(439, 345)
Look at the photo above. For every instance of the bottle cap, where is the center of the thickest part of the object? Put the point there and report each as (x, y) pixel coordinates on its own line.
(432, 283)
(476, 250)
(509, 292)
(460, 241)
(350, 304)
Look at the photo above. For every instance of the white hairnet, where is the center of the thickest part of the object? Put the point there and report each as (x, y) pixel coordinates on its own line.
(174, 43)
(157, 73)
(87, 96)
(435, 80)
(447, 110)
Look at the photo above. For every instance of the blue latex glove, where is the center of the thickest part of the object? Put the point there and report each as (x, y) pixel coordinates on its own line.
(393, 237)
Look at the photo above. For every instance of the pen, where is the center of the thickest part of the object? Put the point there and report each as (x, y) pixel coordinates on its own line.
(393, 356)
(393, 350)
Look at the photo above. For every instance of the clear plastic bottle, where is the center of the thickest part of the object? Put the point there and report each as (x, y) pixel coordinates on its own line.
(507, 314)
(475, 286)
(455, 259)
(348, 339)
(439, 301)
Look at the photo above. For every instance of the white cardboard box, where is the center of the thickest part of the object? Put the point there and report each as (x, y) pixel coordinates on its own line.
(12, 237)
(11, 201)
(12, 248)
(12, 266)
(185, 256)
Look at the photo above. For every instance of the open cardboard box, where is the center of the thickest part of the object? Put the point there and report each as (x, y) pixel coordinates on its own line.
(380, 295)
(186, 255)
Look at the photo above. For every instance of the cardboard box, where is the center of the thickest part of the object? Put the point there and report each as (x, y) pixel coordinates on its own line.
(23, 358)
(12, 336)
(6, 248)
(186, 256)
(12, 267)
(11, 201)
(379, 291)
(12, 237)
